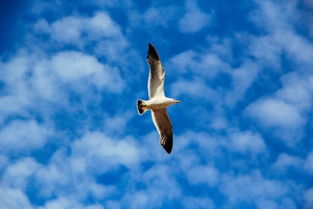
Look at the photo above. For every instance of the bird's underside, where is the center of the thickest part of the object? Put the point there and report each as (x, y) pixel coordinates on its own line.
(158, 102)
(164, 127)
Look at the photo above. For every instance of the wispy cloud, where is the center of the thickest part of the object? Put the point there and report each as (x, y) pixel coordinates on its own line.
(28, 135)
(285, 161)
(264, 192)
(14, 198)
(78, 30)
(265, 110)
(194, 19)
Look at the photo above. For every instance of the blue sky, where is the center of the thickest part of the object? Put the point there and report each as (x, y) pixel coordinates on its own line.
(71, 72)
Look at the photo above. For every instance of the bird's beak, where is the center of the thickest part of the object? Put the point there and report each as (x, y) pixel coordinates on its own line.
(177, 101)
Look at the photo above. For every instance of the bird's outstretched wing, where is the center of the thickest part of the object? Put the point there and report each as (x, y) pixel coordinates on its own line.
(164, 127)
(156, 75)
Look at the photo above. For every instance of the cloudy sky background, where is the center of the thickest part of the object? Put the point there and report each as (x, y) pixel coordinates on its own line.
(71, 71)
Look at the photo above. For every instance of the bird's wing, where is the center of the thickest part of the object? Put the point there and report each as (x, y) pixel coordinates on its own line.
(164, 127)
(156, 75)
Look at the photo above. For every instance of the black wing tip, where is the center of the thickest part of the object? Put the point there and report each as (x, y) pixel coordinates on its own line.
(152, 52)
(168, 145)
(151, 46)
(168, 149)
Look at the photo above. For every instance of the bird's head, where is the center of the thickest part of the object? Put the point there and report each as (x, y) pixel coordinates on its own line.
(174, 101)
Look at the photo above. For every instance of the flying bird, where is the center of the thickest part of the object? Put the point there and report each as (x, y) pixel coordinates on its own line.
(158, 102)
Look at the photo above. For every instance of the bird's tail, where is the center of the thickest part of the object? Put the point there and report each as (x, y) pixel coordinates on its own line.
(141, 107)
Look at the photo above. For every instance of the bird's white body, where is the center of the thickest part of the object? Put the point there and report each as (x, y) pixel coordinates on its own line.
(158, 101)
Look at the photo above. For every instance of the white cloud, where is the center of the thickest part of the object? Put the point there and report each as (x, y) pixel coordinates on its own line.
(160, 186)
(151, 18)
(201, 67)
(276, 113)
(16, 96)
(308, 165)
(72, 65)
(268, 16)
(308, 197)
(74, 29)
(194, 19)
(198, 203)
(253, 188)
(203, 174)
(118, 122)
(18, 175)
(282, 32)
(13, 199)
(72, 68)
(33, 79)
(22, 135)
(64, 178)
(45, 84)
(203, 63)
(50, 179)
(285, 121)
(288, 203)
(67, 202)
(106, 152)
(139, 200)
(286, 110)
(243, 78)
(115, 51)
(79, 67)
(183, 61)
(220, 46)
(111, 3)
(284, 161)
(31, 82)
(4, 161)
(246, 142)
(298, 48)
(208, 145)
(42, 26)
(267, 204)
(98, 33)
(72, 175)
(102, 25)
(297, 90)
(152, 15)
(193, 88)
(267, 51)
(67, 30)
(218, 121)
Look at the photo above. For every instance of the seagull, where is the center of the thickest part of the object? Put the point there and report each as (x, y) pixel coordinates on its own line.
(158, 102)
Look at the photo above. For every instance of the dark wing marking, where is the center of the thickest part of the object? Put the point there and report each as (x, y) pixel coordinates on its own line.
(156, 74)
(164, 127)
